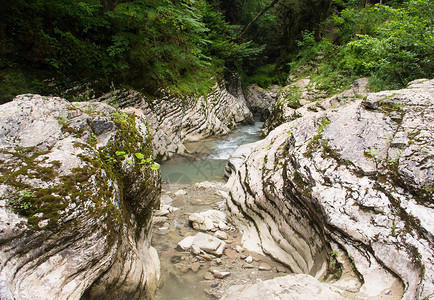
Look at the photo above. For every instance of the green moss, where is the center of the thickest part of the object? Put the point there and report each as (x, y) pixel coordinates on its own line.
(314, 142)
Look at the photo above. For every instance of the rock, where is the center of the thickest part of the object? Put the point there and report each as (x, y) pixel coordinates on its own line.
(180, 193)
(220, 274)
(207, 185)
(186, 243)
(208, 276)
(195, 249)
(161, 212)
(231, 254)
(302, 98)
(83, 223)
(195, 267)
(182, 267)
(166, 200)
(159, 220)
(247, 266)
(333, 179)
(208, 220)
(264, 267)
(280, 269)
(174, 121)
(212, 293)
(239, 248)
(297, 287)
(206, 256)
(209, 243)
(249, 259)
(261, 101)
(221, 235)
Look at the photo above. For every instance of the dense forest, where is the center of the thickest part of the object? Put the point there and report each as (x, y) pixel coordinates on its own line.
(183, 46)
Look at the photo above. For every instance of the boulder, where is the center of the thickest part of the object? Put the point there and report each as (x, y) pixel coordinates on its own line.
(346, 193)
(260, 101)
(203, 242)
(77, 203)
(209, 220)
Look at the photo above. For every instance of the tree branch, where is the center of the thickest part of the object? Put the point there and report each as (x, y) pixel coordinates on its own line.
(256, 18)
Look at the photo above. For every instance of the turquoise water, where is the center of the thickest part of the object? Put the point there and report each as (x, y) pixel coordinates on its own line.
(211, 156)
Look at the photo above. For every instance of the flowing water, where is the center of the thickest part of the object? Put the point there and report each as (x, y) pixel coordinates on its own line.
(180, 173)
(213, 155)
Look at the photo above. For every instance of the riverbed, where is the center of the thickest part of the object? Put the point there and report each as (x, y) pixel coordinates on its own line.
(193, 185)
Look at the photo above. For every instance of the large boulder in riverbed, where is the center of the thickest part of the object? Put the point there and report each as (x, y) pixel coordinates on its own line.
(346, 194)
(76, 201)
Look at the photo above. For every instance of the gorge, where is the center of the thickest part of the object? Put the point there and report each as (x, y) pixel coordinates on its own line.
(340, 191)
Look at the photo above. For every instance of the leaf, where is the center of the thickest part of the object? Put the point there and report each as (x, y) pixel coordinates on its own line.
(149, 159)
(155, 166)
(120, 153)
(130, 162)
(139, 155)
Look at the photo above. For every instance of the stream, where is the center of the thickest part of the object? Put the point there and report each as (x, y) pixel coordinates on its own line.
(192, 186)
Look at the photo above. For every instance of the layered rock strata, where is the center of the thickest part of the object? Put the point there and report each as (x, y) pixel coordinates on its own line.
(175, 121)
(77, 194)
(346, 194)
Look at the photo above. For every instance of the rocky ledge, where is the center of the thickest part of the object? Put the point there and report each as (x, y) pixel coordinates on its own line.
(174, 121)
(77, 189)
(346, 194)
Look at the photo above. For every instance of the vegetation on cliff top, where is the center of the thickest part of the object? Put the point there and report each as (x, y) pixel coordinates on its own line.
(180, 45)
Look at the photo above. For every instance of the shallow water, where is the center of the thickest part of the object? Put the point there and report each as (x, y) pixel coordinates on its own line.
(213, 154)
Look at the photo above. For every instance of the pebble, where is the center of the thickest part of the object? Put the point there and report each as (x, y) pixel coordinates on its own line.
(247, 266)
(213, 294)
(264, 267)
(220, 274)
(280, 269)
(182, 267)
(161, 212)
(208, 276)
(239, 249)
(249, 259)
(195, 267)
(221, 235)
(387, 292)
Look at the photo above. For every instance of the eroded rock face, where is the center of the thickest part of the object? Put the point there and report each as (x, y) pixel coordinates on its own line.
(346, 193)
(302, 97)
(76, 201)
(260, 101)
(175, 121)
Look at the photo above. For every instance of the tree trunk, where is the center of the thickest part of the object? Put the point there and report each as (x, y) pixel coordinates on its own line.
(256, 18)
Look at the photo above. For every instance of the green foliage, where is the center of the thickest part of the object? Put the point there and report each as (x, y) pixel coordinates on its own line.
(21, 201)
(392, 45)
(264, 76)
(147, 44)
